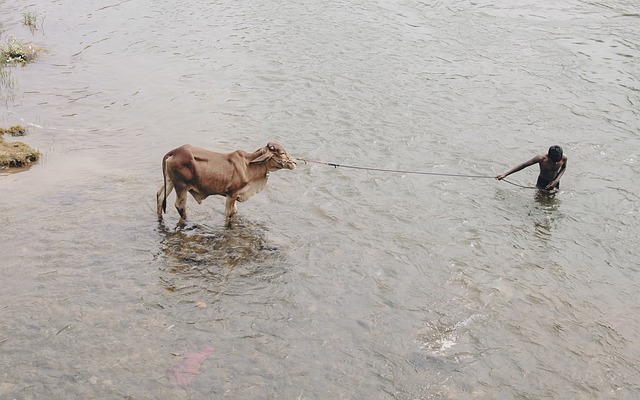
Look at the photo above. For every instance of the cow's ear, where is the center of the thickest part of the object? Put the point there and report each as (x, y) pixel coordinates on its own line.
(264, 157)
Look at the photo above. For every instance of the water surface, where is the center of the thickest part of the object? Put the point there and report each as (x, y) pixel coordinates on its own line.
(335, 283)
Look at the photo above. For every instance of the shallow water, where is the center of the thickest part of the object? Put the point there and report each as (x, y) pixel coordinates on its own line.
(335, 283)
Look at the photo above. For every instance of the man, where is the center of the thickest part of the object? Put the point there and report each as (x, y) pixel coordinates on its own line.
(552, 167)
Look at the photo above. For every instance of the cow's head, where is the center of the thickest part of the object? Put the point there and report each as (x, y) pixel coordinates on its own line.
(276, 157)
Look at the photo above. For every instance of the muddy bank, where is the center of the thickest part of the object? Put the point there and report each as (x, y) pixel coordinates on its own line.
(16, 51)
(16, 154)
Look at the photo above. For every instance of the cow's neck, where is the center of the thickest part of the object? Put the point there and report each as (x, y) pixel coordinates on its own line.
(256, 171)
(255, 154)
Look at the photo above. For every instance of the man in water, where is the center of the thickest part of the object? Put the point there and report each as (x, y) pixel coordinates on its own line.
(552, 167)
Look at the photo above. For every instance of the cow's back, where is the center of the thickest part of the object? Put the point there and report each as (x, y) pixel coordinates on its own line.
(204, 171)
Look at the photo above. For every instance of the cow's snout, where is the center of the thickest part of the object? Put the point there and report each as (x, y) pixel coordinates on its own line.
(291, 163)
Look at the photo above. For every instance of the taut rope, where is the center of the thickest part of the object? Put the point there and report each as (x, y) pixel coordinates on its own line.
(400, 171)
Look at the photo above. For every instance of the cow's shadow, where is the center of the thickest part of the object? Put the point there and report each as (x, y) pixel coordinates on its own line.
(213, 255)
(202, 245)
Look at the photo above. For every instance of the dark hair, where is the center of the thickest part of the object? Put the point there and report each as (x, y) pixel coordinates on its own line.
(555, 153)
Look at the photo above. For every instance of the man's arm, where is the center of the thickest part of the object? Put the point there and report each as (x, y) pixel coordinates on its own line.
(560, 173)
(534, 160)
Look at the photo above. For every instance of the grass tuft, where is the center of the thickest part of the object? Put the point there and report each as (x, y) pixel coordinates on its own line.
(30, 19)
(18, 52)
(15, 130)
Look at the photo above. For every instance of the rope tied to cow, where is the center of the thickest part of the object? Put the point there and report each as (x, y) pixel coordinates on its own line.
(402, 171)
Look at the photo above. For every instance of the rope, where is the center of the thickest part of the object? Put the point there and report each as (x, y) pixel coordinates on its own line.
(400, 171)
(518, 185)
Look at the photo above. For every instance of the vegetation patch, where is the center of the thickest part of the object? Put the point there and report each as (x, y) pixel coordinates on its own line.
(16, 51)
(16, 130)
(16, 154)
(30, 19)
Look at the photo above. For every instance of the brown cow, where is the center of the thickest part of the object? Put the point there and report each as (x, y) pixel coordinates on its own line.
(237, 175)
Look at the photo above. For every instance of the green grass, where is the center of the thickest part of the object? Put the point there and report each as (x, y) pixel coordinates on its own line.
(17, 51)
(30, 19)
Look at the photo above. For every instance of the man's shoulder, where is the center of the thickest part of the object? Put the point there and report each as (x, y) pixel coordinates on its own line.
(541, 157)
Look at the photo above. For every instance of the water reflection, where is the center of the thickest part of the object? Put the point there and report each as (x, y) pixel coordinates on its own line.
(215, 255)
(549, 205)
(6, 84)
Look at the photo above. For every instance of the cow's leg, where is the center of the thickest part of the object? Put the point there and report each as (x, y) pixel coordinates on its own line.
(181, 204)
(162, 197)
(231, 209)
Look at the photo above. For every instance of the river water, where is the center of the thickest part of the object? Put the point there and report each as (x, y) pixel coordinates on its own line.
(335, 283)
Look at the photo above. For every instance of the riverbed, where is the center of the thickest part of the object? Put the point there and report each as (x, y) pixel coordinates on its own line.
(335, 283)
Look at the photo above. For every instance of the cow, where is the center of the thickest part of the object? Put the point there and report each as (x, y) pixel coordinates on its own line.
(237, 175)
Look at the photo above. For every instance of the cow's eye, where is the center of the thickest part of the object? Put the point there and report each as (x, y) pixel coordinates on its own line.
(271, 148)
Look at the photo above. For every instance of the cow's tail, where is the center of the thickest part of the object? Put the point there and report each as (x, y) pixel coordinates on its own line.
(164, 179)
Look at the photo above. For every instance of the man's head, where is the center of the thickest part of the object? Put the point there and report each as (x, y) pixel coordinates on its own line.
(555, 153)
